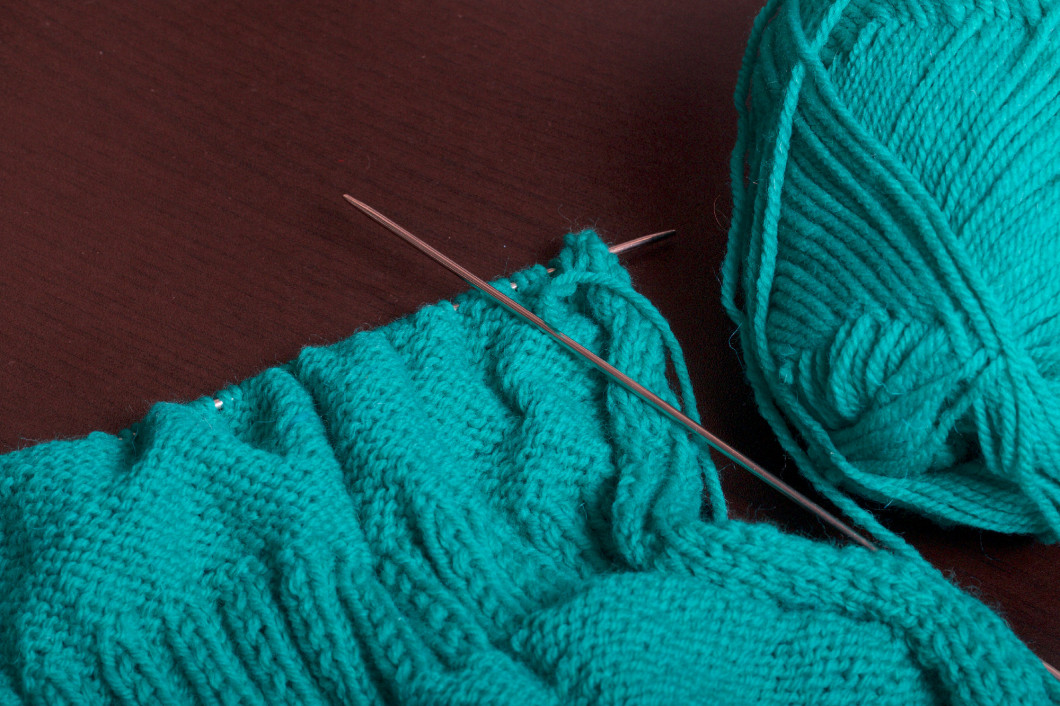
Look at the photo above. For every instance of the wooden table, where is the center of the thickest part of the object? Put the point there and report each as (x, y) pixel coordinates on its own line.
(171, 216)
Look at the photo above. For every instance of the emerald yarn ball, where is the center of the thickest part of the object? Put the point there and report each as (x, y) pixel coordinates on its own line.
(894, 257)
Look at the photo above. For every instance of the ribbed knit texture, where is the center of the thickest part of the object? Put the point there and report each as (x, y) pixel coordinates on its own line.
(894, 259)
(453, 510)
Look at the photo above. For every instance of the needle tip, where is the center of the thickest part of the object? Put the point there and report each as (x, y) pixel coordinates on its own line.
(369, 211)
(643, 240)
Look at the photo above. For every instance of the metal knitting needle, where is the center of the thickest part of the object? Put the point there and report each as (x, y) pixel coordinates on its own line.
(641, 241)
(612, 372)
(620, 248)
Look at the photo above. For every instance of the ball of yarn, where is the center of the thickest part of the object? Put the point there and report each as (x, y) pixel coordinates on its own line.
(894, 257)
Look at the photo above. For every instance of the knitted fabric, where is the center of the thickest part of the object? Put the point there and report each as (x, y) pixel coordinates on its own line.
(454, 510)
(894, 258)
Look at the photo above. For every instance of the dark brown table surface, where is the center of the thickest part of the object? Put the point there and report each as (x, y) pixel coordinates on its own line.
(171, 217)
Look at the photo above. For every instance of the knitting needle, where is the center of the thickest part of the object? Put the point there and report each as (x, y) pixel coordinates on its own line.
(643, 240)
(611, 371)
(617, 249)
(620, 248)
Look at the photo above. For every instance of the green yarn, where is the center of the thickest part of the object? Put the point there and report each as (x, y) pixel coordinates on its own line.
(453, 510)
(894, 257)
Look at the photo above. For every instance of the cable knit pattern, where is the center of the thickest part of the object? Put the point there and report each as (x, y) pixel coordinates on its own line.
(894, 257)
(453, 510)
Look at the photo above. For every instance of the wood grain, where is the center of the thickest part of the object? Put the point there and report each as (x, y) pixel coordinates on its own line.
(171, 217)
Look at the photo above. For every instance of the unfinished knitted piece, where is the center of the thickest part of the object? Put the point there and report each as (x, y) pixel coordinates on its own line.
(453, 510)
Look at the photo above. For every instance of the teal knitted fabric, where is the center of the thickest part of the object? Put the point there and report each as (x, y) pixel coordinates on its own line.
(894, 257)
(453, 510)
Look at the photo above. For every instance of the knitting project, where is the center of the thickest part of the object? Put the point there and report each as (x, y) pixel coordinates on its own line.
(894, 257)
(454, 510)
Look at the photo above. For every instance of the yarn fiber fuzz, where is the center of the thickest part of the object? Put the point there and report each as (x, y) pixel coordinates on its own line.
(454, 510)
(894, 258)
